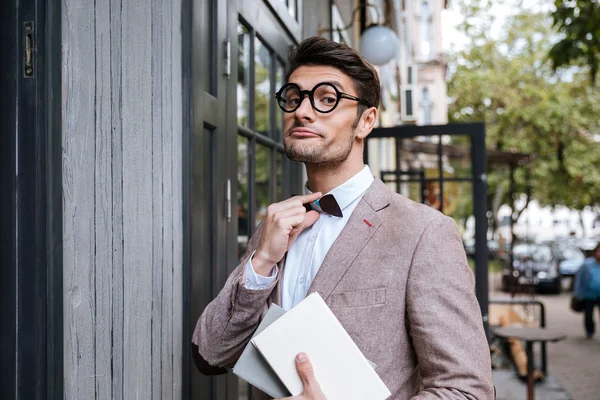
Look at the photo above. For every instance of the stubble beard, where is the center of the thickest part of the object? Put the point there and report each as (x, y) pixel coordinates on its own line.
(318, 154)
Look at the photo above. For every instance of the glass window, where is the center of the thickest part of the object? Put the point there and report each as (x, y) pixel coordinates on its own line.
(279, 81)
(210, 81)
(425, 29)
(409, 105)
(426, 106)
(243, 87)
(262, 87)
(262, 182)
(278, 176)
(243, 211)
(293, 8)
(338, 33)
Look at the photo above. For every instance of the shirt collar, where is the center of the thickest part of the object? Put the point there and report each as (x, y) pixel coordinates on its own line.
(353, 188)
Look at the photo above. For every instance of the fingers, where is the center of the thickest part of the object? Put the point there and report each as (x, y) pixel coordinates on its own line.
(308, 198)
(296, 201)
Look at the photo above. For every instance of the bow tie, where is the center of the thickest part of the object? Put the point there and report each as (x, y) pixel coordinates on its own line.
(326, 204)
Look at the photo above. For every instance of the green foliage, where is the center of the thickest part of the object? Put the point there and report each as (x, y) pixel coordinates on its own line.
(507, 82)
(579, 23)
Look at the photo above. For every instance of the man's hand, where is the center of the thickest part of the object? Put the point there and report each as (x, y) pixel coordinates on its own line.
(312, 389)
(283, 223)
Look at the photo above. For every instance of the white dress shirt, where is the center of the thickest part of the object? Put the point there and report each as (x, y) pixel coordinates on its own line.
(305, 256)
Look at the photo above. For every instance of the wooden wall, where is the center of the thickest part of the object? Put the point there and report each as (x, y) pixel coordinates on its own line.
(122, 198)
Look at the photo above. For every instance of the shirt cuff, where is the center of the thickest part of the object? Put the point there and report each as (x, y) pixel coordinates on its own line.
(258, 282)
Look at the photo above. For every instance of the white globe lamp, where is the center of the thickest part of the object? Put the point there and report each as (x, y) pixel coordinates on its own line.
(378, 44)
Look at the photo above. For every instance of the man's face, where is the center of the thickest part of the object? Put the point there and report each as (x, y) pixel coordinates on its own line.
(316, 138)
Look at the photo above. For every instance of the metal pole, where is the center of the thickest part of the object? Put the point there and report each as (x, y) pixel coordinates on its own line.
(530, 383)
(441, 172)
(422, 179)
(478, 160)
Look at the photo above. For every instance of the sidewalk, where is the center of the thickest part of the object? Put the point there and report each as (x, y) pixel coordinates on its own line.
(573, 363)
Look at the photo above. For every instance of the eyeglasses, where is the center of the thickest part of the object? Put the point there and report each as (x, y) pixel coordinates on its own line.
(324, 97)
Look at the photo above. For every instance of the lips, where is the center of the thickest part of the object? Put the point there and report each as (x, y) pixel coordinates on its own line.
(303, 133)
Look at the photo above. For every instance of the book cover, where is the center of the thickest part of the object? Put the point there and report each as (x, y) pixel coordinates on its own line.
(340, 367)
(253, 368)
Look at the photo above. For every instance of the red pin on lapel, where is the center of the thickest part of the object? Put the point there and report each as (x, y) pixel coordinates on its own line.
(367, 222)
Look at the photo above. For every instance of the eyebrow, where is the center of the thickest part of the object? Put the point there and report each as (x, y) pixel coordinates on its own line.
(337, 84)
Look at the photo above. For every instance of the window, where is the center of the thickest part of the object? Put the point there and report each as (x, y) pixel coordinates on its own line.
(426, 29)
(292, 6)
(426, 104)
(408, 103)
(264, 173)
(338, 33)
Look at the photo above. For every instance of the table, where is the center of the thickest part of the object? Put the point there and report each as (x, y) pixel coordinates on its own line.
(529, 335)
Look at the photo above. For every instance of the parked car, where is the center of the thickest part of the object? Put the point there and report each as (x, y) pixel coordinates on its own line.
(570, 260)
(533, 265)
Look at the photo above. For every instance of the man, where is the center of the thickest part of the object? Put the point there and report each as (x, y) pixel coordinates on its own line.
(393, 271)
(587, 288)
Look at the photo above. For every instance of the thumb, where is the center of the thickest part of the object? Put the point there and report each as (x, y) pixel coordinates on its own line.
(306, 372)
(310, 218)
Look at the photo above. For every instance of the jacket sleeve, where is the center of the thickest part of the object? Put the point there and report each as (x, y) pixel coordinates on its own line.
(444, 318)
(580, 281)
(228, 322)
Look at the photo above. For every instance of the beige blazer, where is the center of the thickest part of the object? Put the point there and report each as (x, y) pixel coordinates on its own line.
(402, 289)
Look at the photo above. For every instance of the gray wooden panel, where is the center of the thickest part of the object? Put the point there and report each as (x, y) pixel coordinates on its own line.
(157, 200)
(176, 207)
(78, 200)
(118, 266)
(103, 203)
(122, 118)
(138, 221)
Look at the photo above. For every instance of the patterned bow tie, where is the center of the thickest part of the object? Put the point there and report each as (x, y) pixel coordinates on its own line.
(326, 204)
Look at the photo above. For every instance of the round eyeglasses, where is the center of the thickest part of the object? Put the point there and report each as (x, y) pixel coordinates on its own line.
(324, 97)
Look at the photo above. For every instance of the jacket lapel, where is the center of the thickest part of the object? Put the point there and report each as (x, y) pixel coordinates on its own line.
(352, 239)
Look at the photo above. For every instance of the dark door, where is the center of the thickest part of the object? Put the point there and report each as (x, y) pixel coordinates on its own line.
(234, 162)
(207, 214)
(31, 339)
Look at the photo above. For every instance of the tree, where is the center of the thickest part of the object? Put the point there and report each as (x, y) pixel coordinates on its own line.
(579, 23)
(507, 82)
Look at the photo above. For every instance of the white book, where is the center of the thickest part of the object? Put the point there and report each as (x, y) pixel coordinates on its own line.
(340, 367)
(253, 368)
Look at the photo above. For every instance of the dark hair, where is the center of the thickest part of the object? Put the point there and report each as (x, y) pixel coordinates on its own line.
(320, 51)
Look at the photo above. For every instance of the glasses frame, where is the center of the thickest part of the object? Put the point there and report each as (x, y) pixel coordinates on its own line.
(310, 94)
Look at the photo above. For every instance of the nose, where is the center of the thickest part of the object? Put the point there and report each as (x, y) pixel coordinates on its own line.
(305, 112)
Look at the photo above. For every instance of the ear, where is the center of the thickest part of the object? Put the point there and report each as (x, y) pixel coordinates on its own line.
(366, 123)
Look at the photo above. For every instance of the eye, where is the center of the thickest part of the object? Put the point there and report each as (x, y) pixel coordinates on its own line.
(293, 101)
(330, 100)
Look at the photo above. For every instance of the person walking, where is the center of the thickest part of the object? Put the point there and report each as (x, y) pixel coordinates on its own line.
(587, 288)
